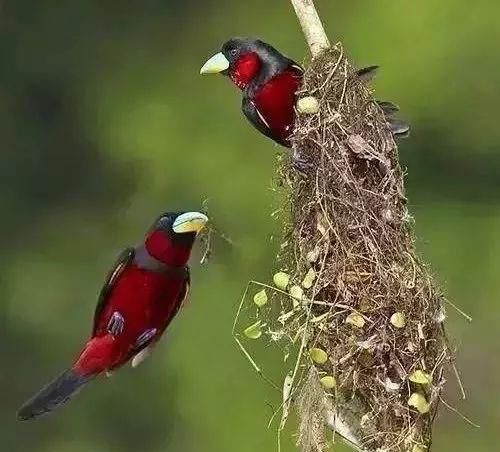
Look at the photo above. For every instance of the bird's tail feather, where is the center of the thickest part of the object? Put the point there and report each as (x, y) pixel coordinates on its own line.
(54, 395)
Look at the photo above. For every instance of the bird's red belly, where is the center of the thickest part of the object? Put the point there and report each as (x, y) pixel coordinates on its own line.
(276, 102)
(146, 301)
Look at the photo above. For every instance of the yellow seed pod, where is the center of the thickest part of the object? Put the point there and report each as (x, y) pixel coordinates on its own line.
(419, 402)
(328, 381)
(309, 279)
(308, 105)
(420, 377)
(260, 298)
(398, 319)
(253, 331)
(281, 280)
(318, 355)
(355, 319)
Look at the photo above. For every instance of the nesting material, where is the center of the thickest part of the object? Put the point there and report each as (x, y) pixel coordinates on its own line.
(350, 241)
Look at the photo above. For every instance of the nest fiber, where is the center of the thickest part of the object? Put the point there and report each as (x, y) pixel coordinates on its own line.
(373, 308)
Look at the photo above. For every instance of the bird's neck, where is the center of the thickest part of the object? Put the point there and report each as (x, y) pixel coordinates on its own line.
(246, 69)
(167, 251)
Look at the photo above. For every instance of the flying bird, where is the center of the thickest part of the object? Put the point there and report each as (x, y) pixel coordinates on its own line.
(141, 295)
(269, 82)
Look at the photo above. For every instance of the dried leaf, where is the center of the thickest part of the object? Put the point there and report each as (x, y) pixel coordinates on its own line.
(309, 279)
(296, 292)
(287, 389)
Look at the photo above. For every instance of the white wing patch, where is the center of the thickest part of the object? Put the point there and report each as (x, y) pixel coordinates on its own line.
(259, 114)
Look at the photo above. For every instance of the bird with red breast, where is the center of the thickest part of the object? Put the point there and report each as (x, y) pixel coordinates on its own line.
(269, 82)
(141, 295)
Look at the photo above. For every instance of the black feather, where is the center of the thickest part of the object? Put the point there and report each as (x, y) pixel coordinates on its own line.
(367, 74)
(54, 395)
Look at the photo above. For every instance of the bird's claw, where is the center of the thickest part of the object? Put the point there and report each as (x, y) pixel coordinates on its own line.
(145, 337)
(116, 324)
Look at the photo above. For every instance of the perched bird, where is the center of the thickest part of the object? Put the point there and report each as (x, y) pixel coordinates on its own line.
(269, 82)
(140, 297)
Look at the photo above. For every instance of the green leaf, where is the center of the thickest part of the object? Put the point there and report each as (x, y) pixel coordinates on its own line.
(309, 279)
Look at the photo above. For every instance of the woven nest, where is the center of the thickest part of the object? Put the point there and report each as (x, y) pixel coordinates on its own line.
(373, 308)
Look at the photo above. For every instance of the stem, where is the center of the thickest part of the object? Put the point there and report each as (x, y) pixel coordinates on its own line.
(311, 25)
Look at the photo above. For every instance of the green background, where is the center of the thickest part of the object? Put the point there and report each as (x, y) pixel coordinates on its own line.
(105, 123)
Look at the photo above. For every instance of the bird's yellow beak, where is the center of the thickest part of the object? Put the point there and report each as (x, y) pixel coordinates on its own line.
(217, 63)
(189, 222)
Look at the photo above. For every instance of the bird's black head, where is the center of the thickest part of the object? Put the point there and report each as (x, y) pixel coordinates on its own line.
(245, 59)
(172, 235)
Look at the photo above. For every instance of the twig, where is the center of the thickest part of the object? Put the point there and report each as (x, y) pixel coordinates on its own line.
(311, 25)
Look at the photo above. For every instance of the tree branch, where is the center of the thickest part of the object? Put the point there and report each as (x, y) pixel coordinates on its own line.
(311, 25)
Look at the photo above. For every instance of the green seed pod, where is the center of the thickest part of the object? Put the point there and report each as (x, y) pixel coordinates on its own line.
(419, 402)
(318, 355)
(253, 331)
(420, 377)
(308, 105)
(328, 381)
(281, 280)
(260, 298)
(398, 319)
(355, 319)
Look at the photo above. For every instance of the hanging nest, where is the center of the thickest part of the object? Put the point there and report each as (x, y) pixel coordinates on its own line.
(373, 308)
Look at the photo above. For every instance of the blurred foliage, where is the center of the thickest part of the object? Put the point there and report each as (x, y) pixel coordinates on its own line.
(105, 122)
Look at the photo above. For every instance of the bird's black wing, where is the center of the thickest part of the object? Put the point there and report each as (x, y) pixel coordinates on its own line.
(253, 114)
(181, 297)
(123, 261)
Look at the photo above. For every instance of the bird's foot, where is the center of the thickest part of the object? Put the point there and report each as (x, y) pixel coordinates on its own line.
(116, 324)
(145, 337)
